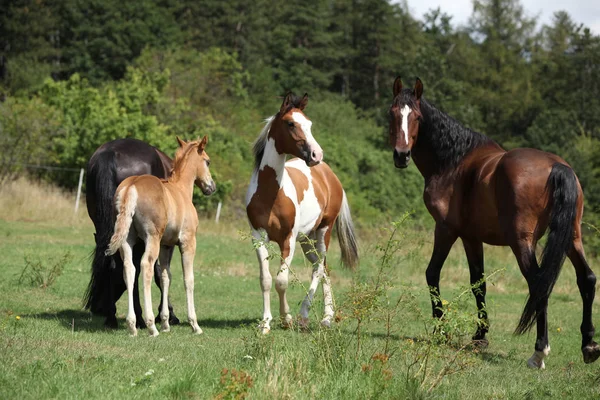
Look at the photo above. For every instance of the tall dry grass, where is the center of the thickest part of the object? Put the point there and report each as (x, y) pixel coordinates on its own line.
(24, 199)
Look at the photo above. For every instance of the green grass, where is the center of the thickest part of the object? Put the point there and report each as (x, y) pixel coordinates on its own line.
(57, 350)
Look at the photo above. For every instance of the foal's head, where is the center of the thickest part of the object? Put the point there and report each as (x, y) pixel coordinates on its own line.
(192, 157)
(405, 118)
(291, 132)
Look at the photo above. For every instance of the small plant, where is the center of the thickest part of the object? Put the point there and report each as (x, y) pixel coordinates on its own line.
(234, 384)
(41, 274)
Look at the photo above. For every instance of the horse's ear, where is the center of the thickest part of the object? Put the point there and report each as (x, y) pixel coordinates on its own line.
(303, 102)
(397, 86)
(286, 102)
(418, 91)
(181, 142)
(202, 144)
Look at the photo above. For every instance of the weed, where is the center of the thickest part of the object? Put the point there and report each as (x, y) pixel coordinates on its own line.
(234, 384)
(39, 274)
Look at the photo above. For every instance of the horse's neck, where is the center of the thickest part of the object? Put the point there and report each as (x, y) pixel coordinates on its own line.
(271, 158)
(183, 180)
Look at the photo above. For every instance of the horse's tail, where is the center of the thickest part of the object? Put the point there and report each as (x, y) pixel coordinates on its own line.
(101, 181)
(346, 236)
(562, 184)
(126, 201)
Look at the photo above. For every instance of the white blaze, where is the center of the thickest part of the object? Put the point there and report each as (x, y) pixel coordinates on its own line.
(306, 124)
(405, 111)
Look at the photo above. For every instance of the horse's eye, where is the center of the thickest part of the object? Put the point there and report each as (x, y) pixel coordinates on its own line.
(291, 124)
(208, 163)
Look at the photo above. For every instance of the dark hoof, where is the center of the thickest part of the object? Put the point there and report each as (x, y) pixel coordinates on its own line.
(139, 323)
(480, 343)
(591, 352)
(111, 322)
(173, 320)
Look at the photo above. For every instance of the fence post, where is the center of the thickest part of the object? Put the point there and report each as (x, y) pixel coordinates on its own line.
(79, 190)
(218, 212)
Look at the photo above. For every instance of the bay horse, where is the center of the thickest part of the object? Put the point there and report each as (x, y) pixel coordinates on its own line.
(161, 214)
(300, 199)
(479, 192)
(110, 164)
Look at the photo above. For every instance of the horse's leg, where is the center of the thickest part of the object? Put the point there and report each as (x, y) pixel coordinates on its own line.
(138, 251)
(524, 251)
(282, 280)
(586, 281)
(173, 320)
(474, 251)
(114, 289)
(315, 250)
(129, 278)
(147, 266)
(188, 251)
(443, 241)
(164, 264)
(265, 283)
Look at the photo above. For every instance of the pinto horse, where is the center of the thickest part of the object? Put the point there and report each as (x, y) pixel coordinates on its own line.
(479, 192)
(110, 164)
(300, 199)
(162, 215)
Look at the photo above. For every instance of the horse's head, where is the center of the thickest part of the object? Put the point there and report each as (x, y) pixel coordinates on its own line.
(199, 162)
(405, 118)
(291, 131)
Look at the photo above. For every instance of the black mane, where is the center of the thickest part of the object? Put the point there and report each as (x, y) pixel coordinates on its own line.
(446, 138)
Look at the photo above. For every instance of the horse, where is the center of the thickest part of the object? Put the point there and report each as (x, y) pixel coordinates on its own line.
(161, 214)
(110, 164)
(479, 192)
(300, 199)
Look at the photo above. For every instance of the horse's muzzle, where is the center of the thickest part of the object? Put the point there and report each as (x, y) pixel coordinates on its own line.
(208, 189)
(401, 159)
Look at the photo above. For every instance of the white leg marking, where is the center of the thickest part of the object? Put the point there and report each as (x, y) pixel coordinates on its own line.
(187, 260)
(147, 271)
(317, 259)
(281, 285)
(265, 284)
(165, 284)
(129, 277)
(537, 359)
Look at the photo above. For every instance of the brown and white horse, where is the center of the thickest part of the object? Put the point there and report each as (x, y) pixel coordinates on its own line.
(479, 192)
(300, 199)
(161, 214)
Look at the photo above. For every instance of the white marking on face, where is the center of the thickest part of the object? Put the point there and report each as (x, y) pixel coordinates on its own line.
(405, 111)
(306, 125)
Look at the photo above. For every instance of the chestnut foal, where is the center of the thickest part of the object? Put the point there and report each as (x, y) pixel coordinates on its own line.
(161, 214)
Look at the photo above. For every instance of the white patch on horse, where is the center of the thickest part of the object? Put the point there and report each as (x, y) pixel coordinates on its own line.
(309, 210)
(405, 112)
(306, 126)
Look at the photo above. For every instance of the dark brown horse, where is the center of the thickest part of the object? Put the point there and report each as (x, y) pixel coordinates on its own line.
(479, 192)
(110, 164)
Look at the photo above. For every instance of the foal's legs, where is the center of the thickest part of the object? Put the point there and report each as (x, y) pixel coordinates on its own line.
(129, 278)
(474, 251)
(147, 266)
(188, 251)
(586, 281)
(164, 264)
(524, 251)
(173, 320)
(316, 255)
(265, 282)
(443, 241)
(282, 279)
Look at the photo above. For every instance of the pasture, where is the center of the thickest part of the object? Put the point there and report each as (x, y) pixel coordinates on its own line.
(50, 348)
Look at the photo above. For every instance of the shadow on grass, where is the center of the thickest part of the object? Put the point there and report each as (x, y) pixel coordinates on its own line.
(84, 321)
(75, 320)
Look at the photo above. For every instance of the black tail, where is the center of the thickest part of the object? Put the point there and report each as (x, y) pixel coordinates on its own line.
(101, 179)
(562, 184)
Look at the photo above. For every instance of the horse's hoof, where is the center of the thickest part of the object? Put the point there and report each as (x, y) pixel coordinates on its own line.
(287, 322)
(197, 331)
(326, 323)
(173, 320)
(165, 328)
(591, 352)
(303, 323)
(111, 322)
(535, 364)
(152, 331)
(265, 330)
(480, 343)
(133, 333)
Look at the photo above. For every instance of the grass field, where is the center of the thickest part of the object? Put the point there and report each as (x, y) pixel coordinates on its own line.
(51, 348)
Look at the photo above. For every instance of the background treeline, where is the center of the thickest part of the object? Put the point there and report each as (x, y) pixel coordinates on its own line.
(77, 73)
